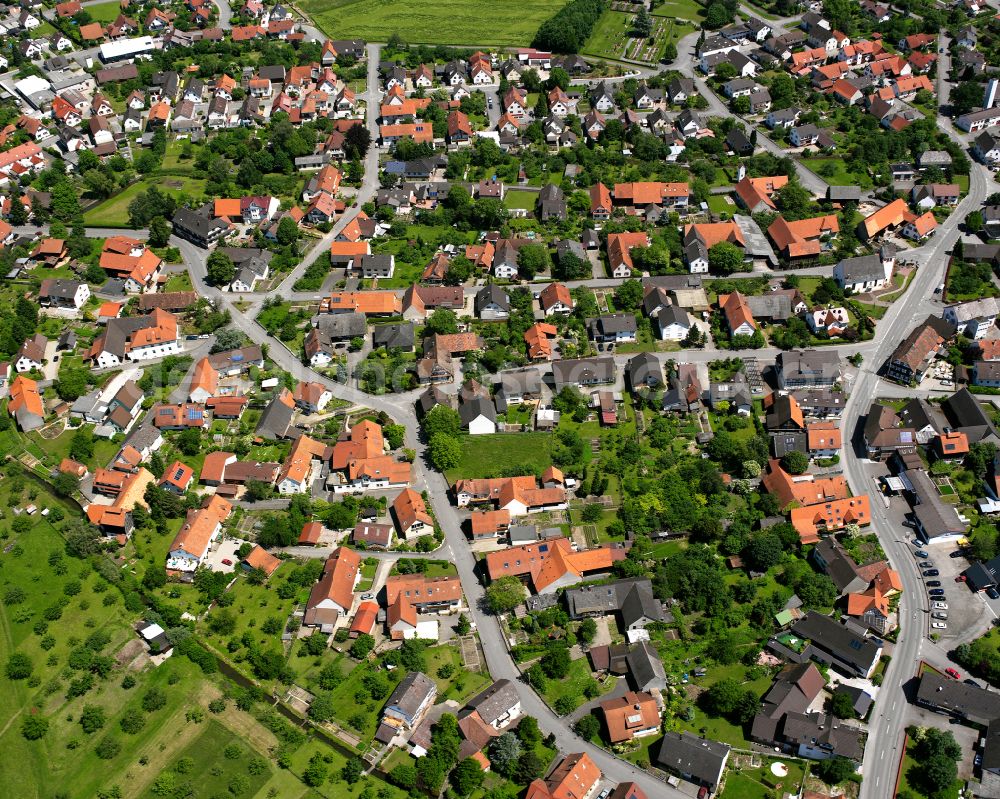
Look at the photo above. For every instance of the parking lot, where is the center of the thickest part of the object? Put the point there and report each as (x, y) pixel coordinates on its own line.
(969, 614)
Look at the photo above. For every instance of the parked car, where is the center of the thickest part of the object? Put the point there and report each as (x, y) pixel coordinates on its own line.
(227, 562)
(992, 593)
(926, 564)
(952, 673)
(939, 615)
(933, 583)
(960, 578)
(940, 606)
(931, 573)
(920, 553)
(973, 683)
(936, 592)
(939, 625)
(978, 760)
(367, 596)
(956, 554)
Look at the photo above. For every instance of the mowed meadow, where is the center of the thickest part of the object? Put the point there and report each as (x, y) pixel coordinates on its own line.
(453, 22)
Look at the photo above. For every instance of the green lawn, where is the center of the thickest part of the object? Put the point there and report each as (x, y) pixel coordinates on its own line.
(760, 783)
(520, 199)
(442, 22)
(458, 684)
(721, 204)
(113, 212)
(573, 684)
(104, 12)
(608, 35)
(487, 456)
(212, 768)
(909, 780)
(680, 9)
(180, 281)
(839, 176)
(367, 577)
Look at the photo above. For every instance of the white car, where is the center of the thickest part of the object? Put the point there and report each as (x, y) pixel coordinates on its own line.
(940, 606)
(939, 625)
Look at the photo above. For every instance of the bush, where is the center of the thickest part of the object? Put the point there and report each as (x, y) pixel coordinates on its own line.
(132, 721)
(108, 748)
(92, 718)
(18, 666)
(153, 700)
(34, 727)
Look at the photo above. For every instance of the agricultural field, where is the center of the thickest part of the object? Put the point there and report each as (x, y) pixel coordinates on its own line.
(446, 22)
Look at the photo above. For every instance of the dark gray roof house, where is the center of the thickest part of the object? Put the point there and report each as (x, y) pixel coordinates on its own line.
(518, 385)
(958, 699)
(612, 327)
(395, 336)
(492, 302)
(966, 415)
(839, 645)
(633, 600)
(645, 669)
(434, 396)
(473, 408)
(276, 420)
(696, 759)
(497, 704)
(551, 203)
(412, 696)
(644, 371)
(833, 560)
(808, 369)
(583, 372)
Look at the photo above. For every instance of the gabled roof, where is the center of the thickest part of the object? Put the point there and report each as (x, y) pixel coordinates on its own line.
(337, 583)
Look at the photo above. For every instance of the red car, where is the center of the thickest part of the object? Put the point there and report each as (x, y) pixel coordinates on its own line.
(227, 562)
(960, 578)
(953, 673)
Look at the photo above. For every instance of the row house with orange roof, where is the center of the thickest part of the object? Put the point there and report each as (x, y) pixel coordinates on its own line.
(638, 196)
(518, 495)
(548, 566)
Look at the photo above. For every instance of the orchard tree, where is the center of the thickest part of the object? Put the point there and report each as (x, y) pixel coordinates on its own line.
(504, 594)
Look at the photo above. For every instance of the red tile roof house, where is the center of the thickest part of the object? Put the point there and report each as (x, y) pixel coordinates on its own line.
(333, 596)
(192, 542)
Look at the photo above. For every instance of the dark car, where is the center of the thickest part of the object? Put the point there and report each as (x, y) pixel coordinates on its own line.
(933, 583)
(936, 592)
(931, 573)
(992, 593)
(926, 564)
(956, 554)
(920, 553)
(969, 681)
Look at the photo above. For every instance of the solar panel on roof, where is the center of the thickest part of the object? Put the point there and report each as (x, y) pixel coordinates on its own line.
(543, 548)
(906, 436)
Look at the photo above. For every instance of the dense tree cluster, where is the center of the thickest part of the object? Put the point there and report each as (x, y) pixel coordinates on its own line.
(570, 27)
